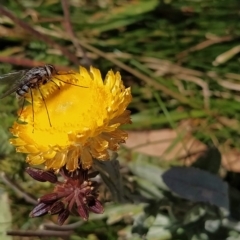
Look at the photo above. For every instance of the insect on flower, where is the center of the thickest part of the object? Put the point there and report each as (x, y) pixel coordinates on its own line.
(23, 81)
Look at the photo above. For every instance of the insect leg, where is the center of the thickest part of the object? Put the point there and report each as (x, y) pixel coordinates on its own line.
(45, 106)
(32, 107)
(23, 102)
(70, 83)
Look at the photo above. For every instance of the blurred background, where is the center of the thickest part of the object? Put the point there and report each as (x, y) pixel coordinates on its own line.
(180, 167)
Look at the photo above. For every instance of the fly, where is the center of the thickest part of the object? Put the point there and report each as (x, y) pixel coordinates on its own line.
(23, 81)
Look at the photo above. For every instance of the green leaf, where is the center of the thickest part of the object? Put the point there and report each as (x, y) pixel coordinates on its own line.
(110, 174)
(197, 185)
(149, 172)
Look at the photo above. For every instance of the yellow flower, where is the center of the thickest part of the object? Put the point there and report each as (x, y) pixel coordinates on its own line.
(83, 121)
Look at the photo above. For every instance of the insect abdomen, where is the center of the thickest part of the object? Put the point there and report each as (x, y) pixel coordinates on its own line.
(22, 90)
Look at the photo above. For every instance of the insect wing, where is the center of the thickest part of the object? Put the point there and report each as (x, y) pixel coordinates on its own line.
(12, 80)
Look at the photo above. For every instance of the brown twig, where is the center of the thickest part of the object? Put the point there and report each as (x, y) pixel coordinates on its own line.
(198, 81)
(29, 63)
(68, 26)
(39, 233)
(38, 35)
(17, 189)
(67, 227)
(203, 45)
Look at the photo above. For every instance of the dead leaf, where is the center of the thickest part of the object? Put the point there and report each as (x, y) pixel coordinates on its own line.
(231, 160)
(167, 144)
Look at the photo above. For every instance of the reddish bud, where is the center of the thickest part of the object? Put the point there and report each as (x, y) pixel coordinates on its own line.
(57, 207)
(48, 198)
(40, 210)
(97, 207)
(41, 175)
(62, 217)
(83, 211)
(76, 194)
(49, 176)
